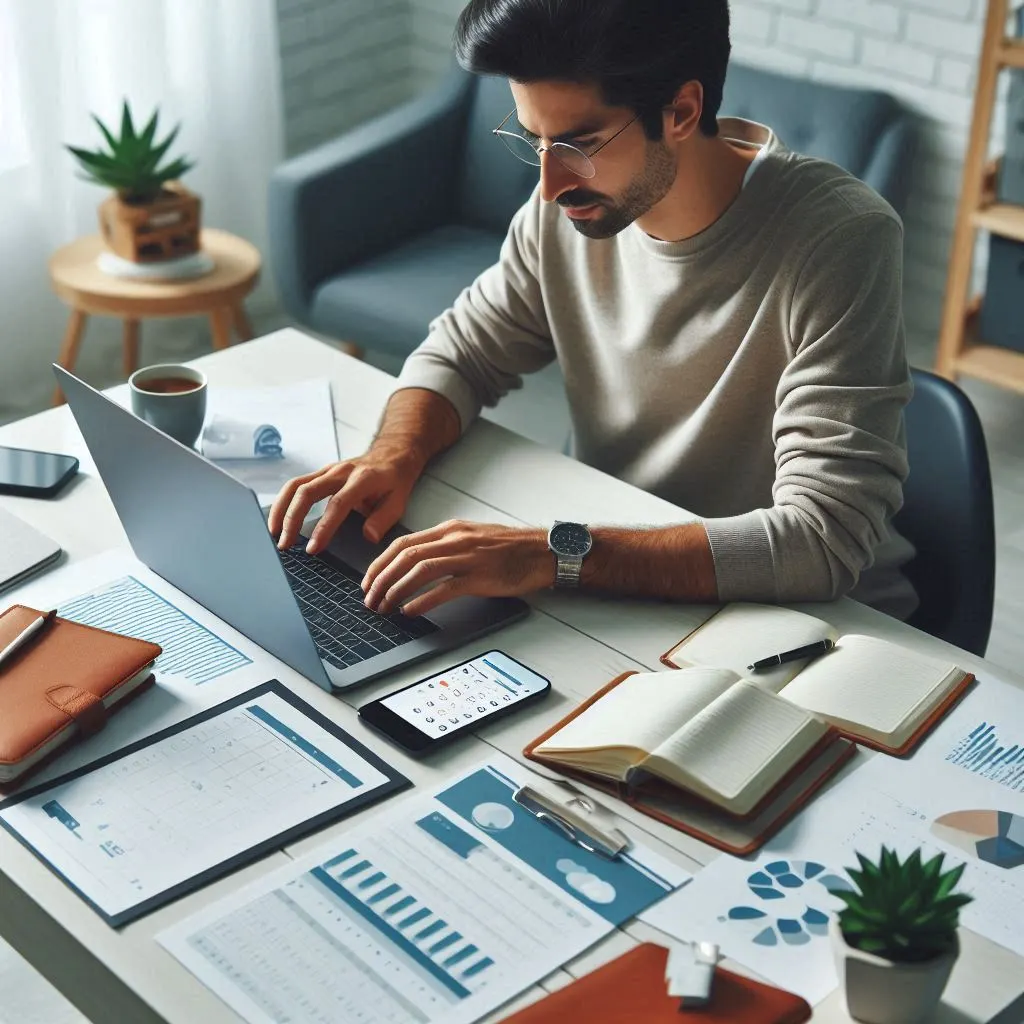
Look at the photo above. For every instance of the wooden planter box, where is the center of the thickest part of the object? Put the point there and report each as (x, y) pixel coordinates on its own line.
(163, 229)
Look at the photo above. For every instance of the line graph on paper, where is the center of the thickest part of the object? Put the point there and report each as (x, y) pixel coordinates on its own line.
(192, 653)
(982, 752)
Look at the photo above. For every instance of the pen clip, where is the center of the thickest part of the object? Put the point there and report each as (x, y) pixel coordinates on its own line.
(27, 635)
(575, 816)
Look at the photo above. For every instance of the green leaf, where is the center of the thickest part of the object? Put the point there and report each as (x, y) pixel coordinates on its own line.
(111, 141)
(949, 880)
(174, 170)
(127, 128)
(146, 138)
(156, 154)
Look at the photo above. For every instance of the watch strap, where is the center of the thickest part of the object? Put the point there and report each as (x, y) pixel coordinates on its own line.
(567, 570)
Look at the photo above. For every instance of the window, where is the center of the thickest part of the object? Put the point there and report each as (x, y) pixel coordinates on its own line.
(13, 150)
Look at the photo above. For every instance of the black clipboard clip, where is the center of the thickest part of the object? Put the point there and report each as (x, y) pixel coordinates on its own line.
(580, 819)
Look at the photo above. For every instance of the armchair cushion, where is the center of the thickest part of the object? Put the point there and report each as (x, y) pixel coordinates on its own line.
(867, 132)
(386, 302)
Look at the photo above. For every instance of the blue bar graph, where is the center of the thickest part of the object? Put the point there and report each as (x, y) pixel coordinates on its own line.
(981, 752)
(402, 919)
(403, 904)
(479, 966)
(379, 897)
(414, 918)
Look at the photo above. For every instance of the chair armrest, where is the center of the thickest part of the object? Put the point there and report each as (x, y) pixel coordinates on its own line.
(360, 194)
(891, 167)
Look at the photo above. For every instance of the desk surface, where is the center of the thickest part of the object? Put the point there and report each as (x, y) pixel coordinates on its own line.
(577, 641)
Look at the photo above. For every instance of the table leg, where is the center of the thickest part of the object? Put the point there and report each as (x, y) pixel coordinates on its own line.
(220, 324)
(69, 348)
(241, 319)
(131, 347)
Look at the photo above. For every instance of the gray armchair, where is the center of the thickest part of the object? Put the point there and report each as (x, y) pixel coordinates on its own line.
(374, 234)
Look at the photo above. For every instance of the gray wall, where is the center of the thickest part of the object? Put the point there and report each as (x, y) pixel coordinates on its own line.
(342, 62)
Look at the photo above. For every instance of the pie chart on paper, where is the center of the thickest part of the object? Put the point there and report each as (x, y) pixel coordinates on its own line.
(996, 837)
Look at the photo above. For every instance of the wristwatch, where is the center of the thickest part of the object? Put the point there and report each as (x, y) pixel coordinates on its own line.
(570, 543)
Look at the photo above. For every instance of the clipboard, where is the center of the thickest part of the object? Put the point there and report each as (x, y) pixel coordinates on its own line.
(702, 819)
(217, 866)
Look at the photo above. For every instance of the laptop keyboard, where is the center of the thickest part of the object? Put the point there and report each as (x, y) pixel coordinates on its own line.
(344, 630)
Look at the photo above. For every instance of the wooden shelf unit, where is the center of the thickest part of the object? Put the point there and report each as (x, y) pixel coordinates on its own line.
(961, 350)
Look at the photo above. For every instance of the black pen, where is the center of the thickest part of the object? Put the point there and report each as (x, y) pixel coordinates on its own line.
(808, 651)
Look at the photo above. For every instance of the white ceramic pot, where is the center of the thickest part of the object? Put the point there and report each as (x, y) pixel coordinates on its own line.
(879, 991)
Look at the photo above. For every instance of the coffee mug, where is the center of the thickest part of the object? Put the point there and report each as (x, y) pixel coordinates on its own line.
(172, 398)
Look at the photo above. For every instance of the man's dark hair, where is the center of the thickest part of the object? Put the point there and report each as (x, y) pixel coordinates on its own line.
(638, 52)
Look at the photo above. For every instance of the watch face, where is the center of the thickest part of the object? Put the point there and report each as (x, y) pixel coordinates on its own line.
(569, 539)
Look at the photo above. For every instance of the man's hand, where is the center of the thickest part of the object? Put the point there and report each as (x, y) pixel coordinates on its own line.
(417, 425)
(458, 559)
(377, 484)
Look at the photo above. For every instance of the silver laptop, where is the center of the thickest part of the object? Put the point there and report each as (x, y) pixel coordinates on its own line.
(204, 532)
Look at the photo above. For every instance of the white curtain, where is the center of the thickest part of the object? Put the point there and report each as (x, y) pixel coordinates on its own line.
(212, 65)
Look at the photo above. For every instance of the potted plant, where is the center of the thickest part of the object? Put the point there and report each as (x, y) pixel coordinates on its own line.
(895, 941)
(151, 216)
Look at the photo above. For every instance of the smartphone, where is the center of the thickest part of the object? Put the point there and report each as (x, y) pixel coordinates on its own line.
(434, 711)
(34, 474)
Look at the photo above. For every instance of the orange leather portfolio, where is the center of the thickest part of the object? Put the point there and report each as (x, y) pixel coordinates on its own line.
(632, 990)
(58, 680)
(698, 817)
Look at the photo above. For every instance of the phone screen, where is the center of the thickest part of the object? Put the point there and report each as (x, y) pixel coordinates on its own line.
(462, 696)
(29, 472)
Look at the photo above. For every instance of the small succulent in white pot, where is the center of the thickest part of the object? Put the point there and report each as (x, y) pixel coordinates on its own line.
(895, 941)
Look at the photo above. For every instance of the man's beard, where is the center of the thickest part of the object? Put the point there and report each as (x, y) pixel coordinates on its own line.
(641, 196)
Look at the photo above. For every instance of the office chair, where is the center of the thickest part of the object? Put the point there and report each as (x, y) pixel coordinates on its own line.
(947, 514)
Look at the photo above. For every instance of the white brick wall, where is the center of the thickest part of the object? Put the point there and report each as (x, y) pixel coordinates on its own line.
(342, 62)
(922, 51)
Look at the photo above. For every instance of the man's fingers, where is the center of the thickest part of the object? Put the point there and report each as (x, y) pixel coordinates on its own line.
(420, 575)
(446, 590)
(275, 521)
(384, 516)
(394, 551)
(306, 495)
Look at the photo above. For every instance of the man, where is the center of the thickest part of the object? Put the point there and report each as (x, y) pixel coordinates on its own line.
(726, 315)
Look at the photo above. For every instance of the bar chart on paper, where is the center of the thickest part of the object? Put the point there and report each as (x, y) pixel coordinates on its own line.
(981, 751)
(192, 653)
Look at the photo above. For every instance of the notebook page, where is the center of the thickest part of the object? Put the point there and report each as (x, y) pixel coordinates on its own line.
(746, 734)
(741, 634)
(642, 710)
(874, 683)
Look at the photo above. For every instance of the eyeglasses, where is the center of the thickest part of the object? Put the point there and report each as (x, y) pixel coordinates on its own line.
(571, 158)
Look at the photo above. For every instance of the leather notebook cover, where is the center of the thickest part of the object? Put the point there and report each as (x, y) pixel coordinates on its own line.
(61, 683)
(704, 820)
(631, 990)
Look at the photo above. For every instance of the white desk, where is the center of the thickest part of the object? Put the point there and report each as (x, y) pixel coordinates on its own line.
(578, 642)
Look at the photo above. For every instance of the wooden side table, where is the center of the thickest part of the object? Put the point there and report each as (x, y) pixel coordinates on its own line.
(80, 283)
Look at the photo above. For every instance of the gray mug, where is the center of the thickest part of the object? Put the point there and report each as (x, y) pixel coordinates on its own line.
(172, 398)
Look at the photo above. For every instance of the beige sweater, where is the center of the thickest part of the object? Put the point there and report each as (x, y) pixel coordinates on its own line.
(754, 374)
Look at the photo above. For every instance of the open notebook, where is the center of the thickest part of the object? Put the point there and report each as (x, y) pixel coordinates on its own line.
(705, 730)
(874, 691)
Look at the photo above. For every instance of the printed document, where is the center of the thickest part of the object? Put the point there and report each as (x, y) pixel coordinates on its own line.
(303, 413)
(156, 819)
(439, 911)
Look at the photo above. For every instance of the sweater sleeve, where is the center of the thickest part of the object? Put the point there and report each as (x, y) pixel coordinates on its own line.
(840, 449)
(496, 331)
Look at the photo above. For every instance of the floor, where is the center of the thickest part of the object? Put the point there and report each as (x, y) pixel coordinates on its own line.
(538, 412)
